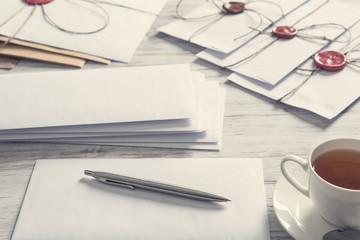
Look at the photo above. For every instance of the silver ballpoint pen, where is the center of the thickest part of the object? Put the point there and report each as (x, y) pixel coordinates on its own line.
(136, 183)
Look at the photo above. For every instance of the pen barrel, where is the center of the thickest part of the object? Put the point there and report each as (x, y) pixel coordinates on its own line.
(136, 183)
(180, 191)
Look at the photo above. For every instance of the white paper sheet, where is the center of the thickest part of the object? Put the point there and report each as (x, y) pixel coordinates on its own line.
(118, 41)
(96, 96)
(220, 35)
(74, 206)
(325, 93)
(276, 61)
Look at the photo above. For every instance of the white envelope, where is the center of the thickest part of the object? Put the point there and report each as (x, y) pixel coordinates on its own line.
(96, 96)
(61, 202)
(215, 104)
(325, 93)
(276, 61)
(198, 141)
(118, 41)
(210, 139)
(220, 36)
(195, 124)
(194, 146)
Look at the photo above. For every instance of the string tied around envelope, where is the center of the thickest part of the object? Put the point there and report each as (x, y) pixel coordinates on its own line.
(22, 25)
(329, 61)
(227, 9)
(104, 14)
(97, 9)
(289, 32)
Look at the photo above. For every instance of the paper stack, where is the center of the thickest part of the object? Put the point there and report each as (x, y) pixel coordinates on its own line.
(280, 68)
(90, 30)
(152, 106)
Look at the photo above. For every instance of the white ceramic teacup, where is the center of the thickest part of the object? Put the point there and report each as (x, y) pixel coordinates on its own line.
(337, 205)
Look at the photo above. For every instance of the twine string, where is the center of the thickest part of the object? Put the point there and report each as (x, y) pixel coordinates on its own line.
(295, 89)
(270, 2)
(311, 12)
(223, 13)
(57, 26)
(251, 55)
(12, 16)
(253, 28)
(324, 38)
(310, 36)
(179, 15)
(351, 62)
(21, 26)
(261, 16)
(355, 48)
(49, 20)
(203, 28)
(127, 7)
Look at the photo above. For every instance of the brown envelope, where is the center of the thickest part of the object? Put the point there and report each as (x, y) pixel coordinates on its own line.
(40, 55)
(55, 50)
(8, 63)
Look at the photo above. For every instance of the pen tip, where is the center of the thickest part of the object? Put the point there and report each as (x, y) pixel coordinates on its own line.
(88, 172)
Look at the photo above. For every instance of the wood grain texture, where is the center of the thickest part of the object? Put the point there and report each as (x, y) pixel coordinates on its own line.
(254, 126)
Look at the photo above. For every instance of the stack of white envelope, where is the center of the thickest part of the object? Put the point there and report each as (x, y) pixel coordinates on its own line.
(152, 106)
(268, 65)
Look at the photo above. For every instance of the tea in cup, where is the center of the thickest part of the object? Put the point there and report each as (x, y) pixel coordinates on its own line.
(333, 182)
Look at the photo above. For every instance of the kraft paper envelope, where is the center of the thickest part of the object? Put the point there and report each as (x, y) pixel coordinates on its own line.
(325, 93)
(94, 96)
(8, 63)
(61, 202)
(55, 50)
(40, 55)
(277, 60)
(125, 27)
(220, 35)
(196, 124)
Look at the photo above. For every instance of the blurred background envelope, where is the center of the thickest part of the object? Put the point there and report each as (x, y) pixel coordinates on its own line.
(220, 35)
(125, 28)
(274, 62)
(324, 93)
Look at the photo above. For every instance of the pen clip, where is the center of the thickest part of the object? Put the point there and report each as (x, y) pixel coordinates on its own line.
(119, 184)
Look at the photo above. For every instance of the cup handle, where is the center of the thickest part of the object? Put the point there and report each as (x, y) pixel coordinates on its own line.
(303, 163)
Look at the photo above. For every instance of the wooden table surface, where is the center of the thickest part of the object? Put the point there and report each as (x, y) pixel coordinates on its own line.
(254, 126)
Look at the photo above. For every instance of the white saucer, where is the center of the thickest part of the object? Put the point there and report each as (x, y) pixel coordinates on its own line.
(296, 212)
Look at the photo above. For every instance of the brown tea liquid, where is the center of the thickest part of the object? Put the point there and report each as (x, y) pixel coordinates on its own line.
(340, 167)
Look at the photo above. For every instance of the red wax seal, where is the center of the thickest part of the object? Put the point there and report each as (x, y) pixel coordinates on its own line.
(330, 60)
(234, 7)
(286, 32)
(33, 2)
